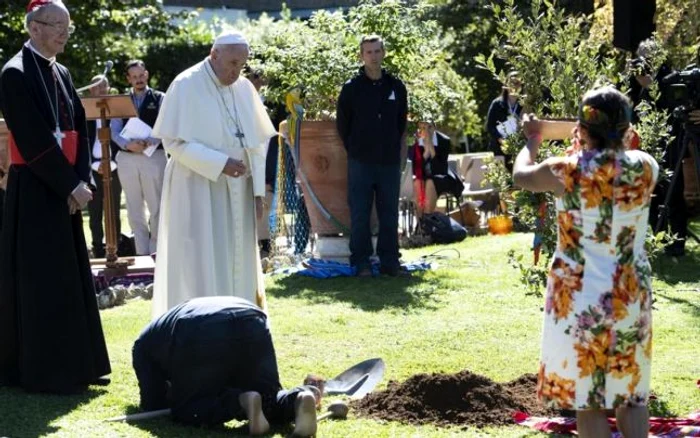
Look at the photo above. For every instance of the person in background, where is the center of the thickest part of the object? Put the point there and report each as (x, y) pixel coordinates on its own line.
(372, 114)
(504, 115)
(141, 175)
(277, 115)
(432, 176)
(641, 78)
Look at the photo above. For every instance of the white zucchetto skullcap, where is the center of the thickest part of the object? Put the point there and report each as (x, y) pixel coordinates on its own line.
(230, 37)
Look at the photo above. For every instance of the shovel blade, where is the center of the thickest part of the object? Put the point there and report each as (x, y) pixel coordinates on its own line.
(357, 381)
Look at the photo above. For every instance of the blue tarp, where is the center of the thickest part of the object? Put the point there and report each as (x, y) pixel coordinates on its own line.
(318, 268)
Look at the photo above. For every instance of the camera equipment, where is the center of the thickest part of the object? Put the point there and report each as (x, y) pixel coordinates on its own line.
(683, 91)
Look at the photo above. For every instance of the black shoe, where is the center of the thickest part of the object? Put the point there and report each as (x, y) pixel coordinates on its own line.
(394, 271)
(102, 381)
(364, 272)
(99, 252)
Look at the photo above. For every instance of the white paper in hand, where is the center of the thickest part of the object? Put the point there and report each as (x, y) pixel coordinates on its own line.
(136, 129)
(150, 149)
(508, 128)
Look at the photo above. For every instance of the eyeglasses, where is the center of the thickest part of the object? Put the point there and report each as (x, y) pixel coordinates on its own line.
(61, 28)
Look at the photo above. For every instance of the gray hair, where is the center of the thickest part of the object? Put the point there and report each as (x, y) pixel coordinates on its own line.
(648, 48)
(38, 13)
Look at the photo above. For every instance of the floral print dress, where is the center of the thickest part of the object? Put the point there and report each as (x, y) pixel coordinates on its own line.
(596, 344)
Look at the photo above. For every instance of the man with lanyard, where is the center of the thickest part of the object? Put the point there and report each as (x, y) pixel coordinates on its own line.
(141, 162)
(51, 337)
(371, 120)
(503, 116)
(96, 206)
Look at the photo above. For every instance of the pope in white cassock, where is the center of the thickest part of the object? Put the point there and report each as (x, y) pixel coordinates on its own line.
(216, 130)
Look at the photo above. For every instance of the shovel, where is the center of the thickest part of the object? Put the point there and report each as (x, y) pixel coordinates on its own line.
(357, 381)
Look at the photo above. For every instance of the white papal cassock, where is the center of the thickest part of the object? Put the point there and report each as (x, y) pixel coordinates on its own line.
(207, 243)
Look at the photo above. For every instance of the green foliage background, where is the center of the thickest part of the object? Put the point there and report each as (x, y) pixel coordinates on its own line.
(319, 54)
(105, 30)
(559, 60)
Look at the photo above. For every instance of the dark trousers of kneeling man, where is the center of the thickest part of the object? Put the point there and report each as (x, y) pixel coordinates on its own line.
(212, 360)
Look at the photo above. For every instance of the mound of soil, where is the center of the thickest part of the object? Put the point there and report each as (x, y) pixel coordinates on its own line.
(453, 399)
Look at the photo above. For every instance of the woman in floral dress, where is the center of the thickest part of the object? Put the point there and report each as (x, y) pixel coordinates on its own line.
(596, 344)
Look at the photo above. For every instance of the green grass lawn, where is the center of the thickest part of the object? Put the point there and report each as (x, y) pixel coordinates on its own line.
(468, 314)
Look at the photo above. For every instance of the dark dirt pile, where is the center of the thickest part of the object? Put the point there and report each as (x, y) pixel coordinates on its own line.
(453, 399)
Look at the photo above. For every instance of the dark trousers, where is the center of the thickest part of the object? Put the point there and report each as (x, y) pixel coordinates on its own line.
(676, 215)
(96, 208)
(368, 183)
(210, 366)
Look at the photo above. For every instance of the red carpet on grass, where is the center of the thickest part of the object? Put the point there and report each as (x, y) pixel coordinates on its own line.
(660, 427)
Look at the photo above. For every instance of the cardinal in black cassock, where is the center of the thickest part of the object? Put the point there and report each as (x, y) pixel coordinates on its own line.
(51, 337)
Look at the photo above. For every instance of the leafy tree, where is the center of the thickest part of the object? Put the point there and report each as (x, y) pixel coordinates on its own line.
(105, 30)
(323, 53)
(166, 57)
(676, 27)
(558, 61)
(472, 29)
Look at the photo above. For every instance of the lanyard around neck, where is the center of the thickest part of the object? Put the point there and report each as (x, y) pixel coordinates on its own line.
(512, 108)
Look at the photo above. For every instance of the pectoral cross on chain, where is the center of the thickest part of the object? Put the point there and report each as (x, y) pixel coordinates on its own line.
(59, 136)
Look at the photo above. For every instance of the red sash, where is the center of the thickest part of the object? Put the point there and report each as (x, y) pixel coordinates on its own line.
(69, 144)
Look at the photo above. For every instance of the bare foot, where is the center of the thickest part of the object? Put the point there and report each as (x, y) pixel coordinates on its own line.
(251, 402)
(305, 409)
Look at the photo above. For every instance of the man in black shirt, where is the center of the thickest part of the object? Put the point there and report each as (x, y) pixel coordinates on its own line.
(211, 360)
(371, 120)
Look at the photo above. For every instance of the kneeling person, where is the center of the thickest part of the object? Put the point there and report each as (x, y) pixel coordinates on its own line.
(211, 360)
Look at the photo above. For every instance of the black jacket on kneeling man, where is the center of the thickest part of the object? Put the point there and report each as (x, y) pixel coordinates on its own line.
(199, 357)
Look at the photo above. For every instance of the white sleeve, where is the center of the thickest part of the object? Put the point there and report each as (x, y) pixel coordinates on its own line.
(257, 158)
(199, 158)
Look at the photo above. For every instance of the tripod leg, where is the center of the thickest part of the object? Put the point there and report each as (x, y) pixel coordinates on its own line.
(695, 139)
(662, 222)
